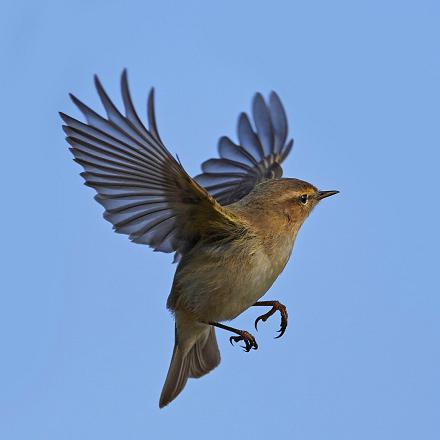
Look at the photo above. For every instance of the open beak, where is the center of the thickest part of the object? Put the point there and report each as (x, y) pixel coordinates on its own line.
(324, 194)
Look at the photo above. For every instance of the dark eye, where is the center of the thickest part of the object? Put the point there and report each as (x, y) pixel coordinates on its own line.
(304, 199)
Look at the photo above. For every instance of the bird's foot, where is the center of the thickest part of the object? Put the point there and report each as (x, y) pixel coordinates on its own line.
(243, 335)
(248, 339)
(276, 306)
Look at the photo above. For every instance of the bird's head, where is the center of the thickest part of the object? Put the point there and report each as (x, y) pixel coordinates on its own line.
(292, 199)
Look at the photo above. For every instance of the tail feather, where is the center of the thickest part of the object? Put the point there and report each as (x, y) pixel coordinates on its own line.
(203, 357)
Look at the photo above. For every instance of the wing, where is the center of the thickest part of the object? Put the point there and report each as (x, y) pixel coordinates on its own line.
(146, 193)
(257, 157)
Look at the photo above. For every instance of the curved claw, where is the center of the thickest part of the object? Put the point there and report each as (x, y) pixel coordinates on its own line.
(265, 317)
(249, 340)
(246, 348)
(256, 322)
(281, 331)
(283, 312)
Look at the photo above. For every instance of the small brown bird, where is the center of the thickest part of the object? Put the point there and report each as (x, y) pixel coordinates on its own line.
(232, 228)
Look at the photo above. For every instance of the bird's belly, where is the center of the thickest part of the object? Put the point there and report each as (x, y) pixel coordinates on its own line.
(237, 299)
(235, 291)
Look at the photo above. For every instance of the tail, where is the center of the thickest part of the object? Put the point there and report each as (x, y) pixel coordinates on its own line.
(203, 357)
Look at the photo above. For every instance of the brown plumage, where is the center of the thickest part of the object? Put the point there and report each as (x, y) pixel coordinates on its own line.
(232, 228)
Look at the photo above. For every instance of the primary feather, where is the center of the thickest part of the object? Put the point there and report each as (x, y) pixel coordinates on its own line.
(146, 193)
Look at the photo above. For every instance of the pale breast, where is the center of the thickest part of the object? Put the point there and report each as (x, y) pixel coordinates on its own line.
(265, 270)
(219, 287)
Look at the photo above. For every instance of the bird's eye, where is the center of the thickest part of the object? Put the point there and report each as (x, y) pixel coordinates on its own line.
(304, 199)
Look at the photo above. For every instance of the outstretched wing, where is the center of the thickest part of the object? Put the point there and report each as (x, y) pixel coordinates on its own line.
(257, 157)
(146, 193)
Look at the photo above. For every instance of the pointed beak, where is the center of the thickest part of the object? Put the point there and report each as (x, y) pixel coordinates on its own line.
(324, 194)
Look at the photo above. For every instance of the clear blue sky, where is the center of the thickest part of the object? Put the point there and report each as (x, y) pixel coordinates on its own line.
(85, 336)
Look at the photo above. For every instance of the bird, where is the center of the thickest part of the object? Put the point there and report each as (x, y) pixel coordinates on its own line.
(231, 228)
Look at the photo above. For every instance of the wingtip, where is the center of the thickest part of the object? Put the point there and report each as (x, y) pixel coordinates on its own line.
(223, 139)
(67, 119)
(242, 116)
(76, 101)
(97, 82)
(150, 105)
(124, 77)
(274, 95)
(79, 104)
(258, 96)
(258, 102)
(151, 94)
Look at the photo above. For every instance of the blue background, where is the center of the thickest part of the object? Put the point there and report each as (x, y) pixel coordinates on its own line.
(85, 336)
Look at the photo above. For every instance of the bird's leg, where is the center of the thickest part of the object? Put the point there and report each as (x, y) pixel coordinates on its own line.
(276, 306)
(243, 335)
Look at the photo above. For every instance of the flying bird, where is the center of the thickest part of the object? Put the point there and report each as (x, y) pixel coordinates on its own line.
(231, 228)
